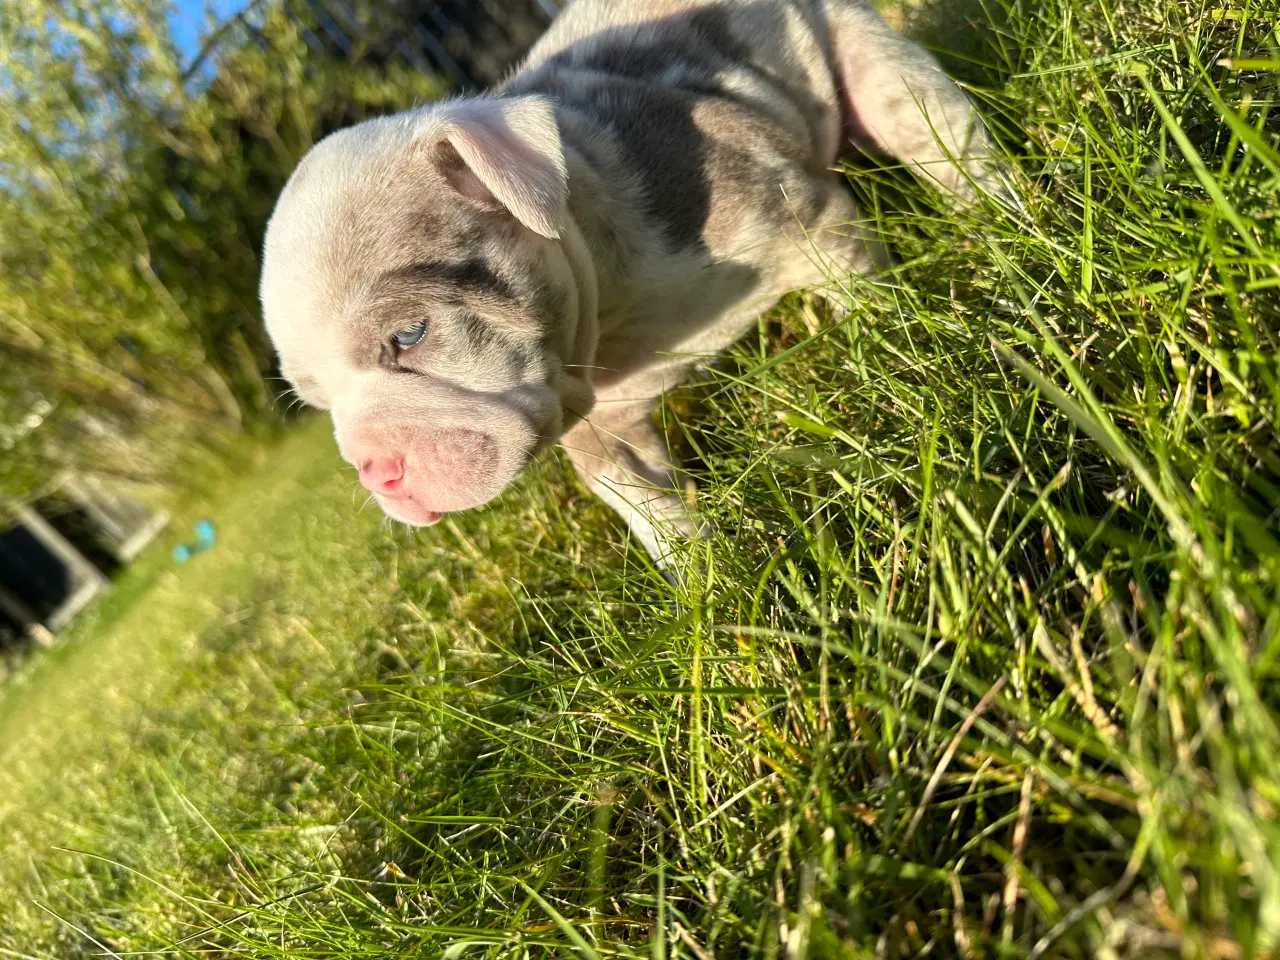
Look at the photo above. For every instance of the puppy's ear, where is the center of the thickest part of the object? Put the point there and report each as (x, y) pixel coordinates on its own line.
(505, 152)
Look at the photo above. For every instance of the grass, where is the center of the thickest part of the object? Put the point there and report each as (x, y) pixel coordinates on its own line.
(981, 661)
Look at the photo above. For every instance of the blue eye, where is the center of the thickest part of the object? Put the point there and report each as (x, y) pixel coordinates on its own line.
(409, 336)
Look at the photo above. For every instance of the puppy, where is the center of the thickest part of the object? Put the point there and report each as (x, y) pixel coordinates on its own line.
(465, 284)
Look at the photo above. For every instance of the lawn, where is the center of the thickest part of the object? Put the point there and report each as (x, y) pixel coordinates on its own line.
(981, 660)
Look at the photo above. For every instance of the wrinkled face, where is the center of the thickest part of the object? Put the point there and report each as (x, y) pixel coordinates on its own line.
(433, 324)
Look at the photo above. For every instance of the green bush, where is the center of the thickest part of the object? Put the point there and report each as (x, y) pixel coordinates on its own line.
(133, 196)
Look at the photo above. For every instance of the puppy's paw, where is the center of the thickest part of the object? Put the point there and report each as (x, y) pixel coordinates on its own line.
(670, 534)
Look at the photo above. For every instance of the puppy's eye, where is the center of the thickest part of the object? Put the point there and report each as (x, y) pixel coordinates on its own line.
(410, 336)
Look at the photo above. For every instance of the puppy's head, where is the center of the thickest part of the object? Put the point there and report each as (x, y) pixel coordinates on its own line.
(415, 285)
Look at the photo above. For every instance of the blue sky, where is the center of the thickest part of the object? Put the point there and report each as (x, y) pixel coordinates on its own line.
(190, 21)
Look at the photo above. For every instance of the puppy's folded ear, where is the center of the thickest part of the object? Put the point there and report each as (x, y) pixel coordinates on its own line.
(504, 152)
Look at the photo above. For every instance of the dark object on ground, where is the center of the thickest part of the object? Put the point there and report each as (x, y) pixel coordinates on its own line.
(43, 578)
(56, 555)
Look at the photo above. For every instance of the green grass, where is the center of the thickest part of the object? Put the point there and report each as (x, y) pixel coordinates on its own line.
(981, 662)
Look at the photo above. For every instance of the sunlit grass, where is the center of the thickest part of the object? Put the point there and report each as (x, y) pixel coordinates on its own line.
(981, 660)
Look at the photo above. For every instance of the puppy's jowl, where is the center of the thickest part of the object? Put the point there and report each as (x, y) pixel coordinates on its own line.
(468, 283)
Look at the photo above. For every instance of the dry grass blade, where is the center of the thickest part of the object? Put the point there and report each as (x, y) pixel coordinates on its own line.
(947, 755)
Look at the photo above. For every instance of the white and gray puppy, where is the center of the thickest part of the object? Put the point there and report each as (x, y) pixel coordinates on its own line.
(466, 284)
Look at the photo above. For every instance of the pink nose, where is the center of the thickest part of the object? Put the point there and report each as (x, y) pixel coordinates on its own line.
(382, 474)
(437, 471)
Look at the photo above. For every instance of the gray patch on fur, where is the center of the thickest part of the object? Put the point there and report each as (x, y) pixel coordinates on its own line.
(608, 81)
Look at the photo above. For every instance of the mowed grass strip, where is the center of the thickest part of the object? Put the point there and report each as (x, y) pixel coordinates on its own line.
(981, 660)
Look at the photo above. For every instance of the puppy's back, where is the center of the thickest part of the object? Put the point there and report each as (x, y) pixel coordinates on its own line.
(712, 104)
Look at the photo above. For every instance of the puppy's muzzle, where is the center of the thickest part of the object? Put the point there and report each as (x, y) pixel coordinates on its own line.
(428, 473)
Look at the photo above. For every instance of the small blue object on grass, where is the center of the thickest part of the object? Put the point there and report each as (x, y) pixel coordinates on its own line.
(204, 540)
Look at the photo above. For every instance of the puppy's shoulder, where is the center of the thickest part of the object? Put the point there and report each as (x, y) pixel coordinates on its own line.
(585, 22)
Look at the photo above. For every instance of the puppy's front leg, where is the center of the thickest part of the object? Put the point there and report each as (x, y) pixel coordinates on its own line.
(624, 460)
